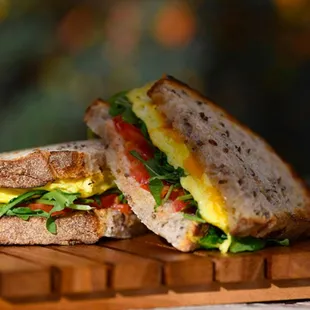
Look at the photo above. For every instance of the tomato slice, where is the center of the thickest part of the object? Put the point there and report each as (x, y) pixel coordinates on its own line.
(48, 208)
(108, 201)
(179, 205)
(176, 192)
(137, 170)
(145, 187)
(112, 201)
(122, 207)
(135, 141)
(134, 138)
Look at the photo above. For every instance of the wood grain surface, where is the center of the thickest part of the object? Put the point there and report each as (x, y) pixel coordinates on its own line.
(121, 274)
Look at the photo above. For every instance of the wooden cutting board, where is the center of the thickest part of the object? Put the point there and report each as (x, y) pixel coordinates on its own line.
(145, 272)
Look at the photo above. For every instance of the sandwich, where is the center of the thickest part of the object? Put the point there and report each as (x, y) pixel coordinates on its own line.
(62, 194)
(196, 176)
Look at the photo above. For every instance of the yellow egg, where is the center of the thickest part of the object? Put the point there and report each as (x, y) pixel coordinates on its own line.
(86, 187)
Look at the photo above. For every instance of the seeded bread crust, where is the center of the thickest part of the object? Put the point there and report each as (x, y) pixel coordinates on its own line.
(165, 221)
(81, 227)
(263, 196)
(39, 166)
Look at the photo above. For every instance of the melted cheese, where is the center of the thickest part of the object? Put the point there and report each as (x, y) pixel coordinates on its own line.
(87, 187)
(210, 202)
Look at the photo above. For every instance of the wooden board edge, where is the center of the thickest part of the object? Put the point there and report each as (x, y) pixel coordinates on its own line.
(172, 299)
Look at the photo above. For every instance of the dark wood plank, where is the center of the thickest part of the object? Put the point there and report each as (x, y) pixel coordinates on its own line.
(77, 275)
(238, 268)
(129, 272)
(23, 279)
(288, 263)
(180, 269)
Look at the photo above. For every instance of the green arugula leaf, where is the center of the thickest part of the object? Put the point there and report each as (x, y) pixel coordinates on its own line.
(80, 207)
(86, 200)
(144, 131)
(185, 197)
(61, 198)
(149, 165)
(21, 198)
(122, 199)
(159, 168)
(23, 217)
(22, 210)
(284, 242)
(46, 202)
(213, 239)
(129, 117)
(168, 194)
(120, 105)
(194, 218)
(25, 213)
(253, 244)
(97, 199)
(245, 244)
(156, 186)
(51, 225)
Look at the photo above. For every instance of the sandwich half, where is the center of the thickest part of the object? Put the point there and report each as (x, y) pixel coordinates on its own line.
(62, 194)
(196, 176)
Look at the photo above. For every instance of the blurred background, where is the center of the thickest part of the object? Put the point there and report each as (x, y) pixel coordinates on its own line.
(252, 57)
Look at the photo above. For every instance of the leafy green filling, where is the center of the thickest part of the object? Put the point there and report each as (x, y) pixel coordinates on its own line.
(120, 105)
(57, 199)
(216, 237)
(160, 170)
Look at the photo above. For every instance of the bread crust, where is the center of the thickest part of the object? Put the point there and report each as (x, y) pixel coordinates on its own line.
(80, 227)
(39, 166)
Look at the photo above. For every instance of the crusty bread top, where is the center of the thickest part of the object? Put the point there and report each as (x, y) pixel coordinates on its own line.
(263, 198)
(39, 166)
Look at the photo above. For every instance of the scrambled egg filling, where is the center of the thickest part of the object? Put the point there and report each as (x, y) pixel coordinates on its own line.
(86, 187)
(210, 202)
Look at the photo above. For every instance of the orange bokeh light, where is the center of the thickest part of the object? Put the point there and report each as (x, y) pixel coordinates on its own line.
(75, 29)
(175, 25)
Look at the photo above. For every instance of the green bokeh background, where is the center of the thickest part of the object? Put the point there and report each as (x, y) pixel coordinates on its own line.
(252, 57)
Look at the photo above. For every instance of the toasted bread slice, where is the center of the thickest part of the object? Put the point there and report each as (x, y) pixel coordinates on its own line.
(38, 167)
(263, 196)
(80, 227)
(171, 225)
